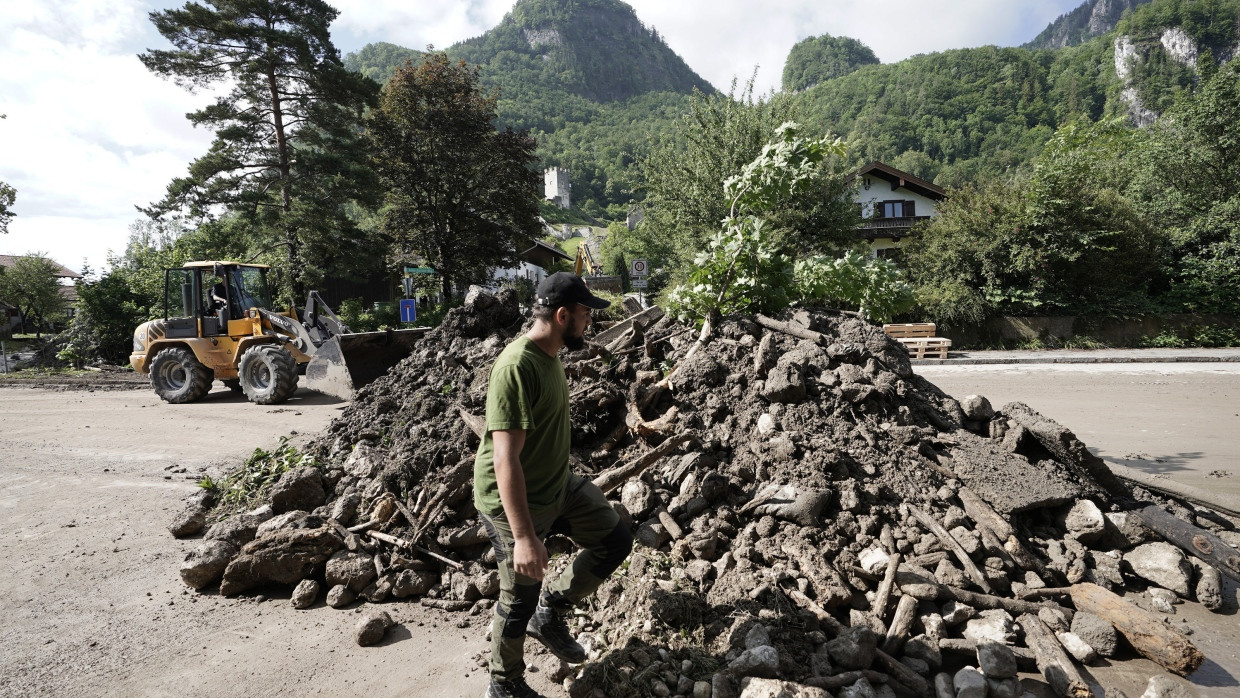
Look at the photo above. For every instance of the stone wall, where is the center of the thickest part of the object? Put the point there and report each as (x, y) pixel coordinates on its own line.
(1117, 332)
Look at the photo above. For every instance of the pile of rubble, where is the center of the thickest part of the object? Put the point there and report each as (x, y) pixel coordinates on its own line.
(811, 516)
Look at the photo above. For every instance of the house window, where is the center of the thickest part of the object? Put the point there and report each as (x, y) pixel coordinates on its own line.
(895, 209)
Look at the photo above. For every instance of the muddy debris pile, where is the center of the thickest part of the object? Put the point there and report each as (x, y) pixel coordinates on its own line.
(810, 517)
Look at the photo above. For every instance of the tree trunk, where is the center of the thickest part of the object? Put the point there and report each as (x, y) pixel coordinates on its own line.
(295, 272)
(1144, 631)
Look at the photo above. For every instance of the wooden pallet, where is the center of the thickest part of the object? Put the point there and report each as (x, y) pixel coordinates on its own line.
(910, 330)
(926, 347)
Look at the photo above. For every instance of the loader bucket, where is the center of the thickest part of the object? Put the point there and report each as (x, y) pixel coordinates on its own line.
(346, 362)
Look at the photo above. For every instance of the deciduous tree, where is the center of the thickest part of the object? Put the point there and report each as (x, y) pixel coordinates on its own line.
(30, 284)
(287, 155)
(460, 194)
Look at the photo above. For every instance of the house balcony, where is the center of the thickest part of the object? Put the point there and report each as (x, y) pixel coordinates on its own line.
(871, 228)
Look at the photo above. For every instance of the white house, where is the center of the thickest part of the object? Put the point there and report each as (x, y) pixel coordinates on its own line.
(891, 203)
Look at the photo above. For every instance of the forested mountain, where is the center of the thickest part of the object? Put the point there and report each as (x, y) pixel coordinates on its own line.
(820, 58)
(1092, 18)
(595, 86)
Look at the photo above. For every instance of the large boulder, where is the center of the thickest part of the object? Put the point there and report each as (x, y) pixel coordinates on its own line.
(1163, 564)
(237, 530)
(371, 628)
(300, 488)
(205, 565)
(286, 556)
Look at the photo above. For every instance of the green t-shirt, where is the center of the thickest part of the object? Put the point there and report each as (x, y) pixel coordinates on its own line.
(527, 391)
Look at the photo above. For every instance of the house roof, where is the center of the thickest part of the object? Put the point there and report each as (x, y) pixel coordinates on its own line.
(68, 293)
(544, 248)
(62, 272)
(899, 178)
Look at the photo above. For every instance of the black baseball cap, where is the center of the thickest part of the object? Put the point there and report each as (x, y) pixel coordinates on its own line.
(563, 289)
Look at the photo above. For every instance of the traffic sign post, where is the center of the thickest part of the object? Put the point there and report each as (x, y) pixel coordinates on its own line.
(638, 283)
(638, 271)
(408, 310)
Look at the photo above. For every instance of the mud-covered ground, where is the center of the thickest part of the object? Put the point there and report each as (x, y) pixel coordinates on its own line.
(93, 604)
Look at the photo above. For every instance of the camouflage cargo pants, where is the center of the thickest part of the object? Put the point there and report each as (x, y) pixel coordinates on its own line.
(585, 516)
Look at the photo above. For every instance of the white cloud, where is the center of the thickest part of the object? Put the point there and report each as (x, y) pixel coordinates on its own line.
(91, 133)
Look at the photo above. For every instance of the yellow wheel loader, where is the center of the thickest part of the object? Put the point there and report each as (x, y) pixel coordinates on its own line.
(219, 324)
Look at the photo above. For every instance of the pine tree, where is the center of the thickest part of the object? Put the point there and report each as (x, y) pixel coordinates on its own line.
(287, 155)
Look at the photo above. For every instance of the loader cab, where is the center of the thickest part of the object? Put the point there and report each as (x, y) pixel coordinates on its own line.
(201, 298)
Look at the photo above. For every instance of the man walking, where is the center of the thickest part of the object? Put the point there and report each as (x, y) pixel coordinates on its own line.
(524, 491)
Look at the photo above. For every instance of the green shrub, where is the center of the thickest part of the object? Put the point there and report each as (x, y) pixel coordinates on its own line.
(854, 282)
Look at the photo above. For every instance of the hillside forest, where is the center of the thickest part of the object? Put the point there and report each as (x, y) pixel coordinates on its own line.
(1113, 151)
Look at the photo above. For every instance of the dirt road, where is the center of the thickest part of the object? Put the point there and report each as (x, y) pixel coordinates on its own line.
(93, 605)
(92, 601)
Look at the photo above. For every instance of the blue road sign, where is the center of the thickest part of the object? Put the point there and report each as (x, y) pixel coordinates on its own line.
(408, 310)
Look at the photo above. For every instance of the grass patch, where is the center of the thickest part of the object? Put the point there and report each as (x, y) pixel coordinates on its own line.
(247, 486)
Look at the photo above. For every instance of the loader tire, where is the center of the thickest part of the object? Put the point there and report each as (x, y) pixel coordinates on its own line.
(268, 374)
(178, 377)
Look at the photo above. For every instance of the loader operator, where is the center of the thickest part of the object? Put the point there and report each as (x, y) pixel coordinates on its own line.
(524, 491)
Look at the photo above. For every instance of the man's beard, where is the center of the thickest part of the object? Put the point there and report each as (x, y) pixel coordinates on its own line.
(573, 340)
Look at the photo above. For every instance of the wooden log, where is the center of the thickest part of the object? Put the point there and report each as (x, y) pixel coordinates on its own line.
(611, 479)
(884, 588)
(1145, 631)
(1226, 503)
(898, 671)
(791, 329)
(1054, 664)
(669, 523)
(408, 545)
(984, 514)
(989, 601)
(901, 623)
(476, 424)
(1199, 542)
(829, 584)
(950, 543)
(379, 569)
(447, 604)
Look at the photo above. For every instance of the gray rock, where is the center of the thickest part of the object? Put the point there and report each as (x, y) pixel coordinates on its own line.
(205, 565)
(943, 686)
(924, 649)
(1003, 688)
(1166, 686)
(991, 626)
(919, 666)
(1163, 564)
(785, 383)
(377, 591)
(305, 594)
(861, 689)
(722, 685)
(339, 596)
(791, 503)
(977, 408)
(300, 488)
(1209, 585)
(772, 688)
(758, 636)
(995, 660)
(1084, 521)
(1162, 600)
(969, 540)
(284, 557)
(345, 508)
(371, 628)
(1054, 619)
(1125, 530)
(638, 498)
(413, 583)
(286, 520)
(955, 613)
(354, 570)
(820, 662)
(1096, 632)
(1104, 569)
(487, 583)
(191, 520)
(237, 530)
(853, 649)
(969, 683)
(759, 661)
(1077, 647)
(701, 689)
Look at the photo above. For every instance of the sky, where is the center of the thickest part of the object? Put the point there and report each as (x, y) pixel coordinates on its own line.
(90, 134)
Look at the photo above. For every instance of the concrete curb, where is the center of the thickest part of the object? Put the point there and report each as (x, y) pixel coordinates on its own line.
(996, 360)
